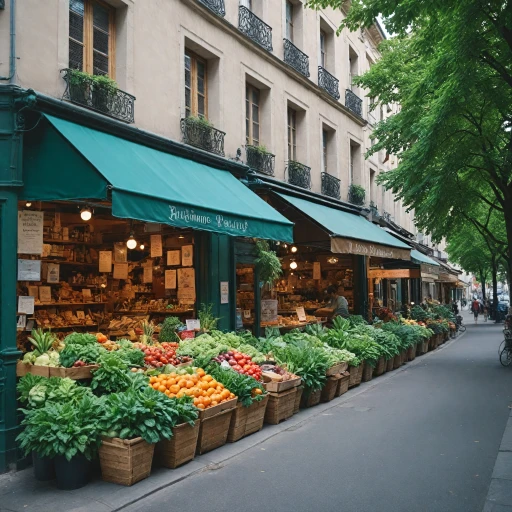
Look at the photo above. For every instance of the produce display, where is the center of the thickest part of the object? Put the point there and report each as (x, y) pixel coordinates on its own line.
(158, 356)
(241, 363)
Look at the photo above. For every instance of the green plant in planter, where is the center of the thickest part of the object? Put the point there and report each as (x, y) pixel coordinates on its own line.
(356, 194)
(200, 121)
(267, 263)
(168, 329)
(206, 318)
(97, 82)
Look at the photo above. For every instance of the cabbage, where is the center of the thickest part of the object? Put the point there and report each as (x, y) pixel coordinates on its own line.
(43, 360)
(29, 357)
(54, 359)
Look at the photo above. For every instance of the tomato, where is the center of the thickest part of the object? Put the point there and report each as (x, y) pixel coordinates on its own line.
(237, 367)
(238, 356)
(233, 363)
(242, 362)
(164, 360)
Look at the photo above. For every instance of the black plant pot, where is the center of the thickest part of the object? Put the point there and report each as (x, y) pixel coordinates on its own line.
(44, 467)
(72, 474)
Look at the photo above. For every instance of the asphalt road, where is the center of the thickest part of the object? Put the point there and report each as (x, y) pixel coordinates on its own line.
(425, 439)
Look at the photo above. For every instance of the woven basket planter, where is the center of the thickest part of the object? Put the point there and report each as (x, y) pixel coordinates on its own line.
(404, 356)
(397, 361)
(298, 396)
(342, 384)
(280, 406)
(329, 389)
(311, 399)
(390, 364)
(247, 420)
(380, 367)
(214, 431)
(125, 461)
(356, 374)
(181, 448)
(367, 373)
(411, 353)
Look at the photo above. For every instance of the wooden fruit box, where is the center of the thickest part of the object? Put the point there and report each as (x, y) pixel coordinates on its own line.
(397, 361)
(125, 461)
(298, 396)
(311, 400)
(280, 406)
(342, 387)
(329, 390)
(213, 431)
(181, 448)
(216, 409)
(412, 353)
(75, 373)
(247, 420)
(278, 387)
(356, 374)
(336, 369)
(24, 368)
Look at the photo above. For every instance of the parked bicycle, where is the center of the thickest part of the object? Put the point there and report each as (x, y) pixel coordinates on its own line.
(459, 324)
(505, 349)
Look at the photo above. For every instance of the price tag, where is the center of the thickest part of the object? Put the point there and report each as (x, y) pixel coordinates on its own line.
(301, 314)
(193, 324)
(45, 294)
(86, 293)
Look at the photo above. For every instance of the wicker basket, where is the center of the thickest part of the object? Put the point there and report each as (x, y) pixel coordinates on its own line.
(411, 353)
(311, 399)
(342, 384)
(247, 420)
(125, 461)
(280, 406)
(405, 355)
(380, 367)
(181, 448)
(397, 361)
(367, 373)
(329, 389)
(389, 364)
(356, 374)
(298, 396)
(213, 432)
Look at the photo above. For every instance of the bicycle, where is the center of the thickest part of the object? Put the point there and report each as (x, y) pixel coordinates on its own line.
(459, 324)
(506, 352)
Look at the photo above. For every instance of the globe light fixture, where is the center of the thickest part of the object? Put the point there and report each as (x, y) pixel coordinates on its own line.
(141, 247)
(28, 205)
(86, 214)
(293, 265)
(131, 243)
(294, 249)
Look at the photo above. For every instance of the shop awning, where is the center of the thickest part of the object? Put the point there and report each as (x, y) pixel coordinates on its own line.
(420, 258)
(351, 234)
(68, 161)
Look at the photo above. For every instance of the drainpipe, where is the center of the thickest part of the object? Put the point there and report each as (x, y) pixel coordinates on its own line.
(12, 56)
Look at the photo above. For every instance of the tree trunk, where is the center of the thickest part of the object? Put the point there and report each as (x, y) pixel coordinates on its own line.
(482, 280)
(494, 285)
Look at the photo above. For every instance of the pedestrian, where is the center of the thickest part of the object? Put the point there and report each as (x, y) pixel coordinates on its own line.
(486, 311)
(475, 307)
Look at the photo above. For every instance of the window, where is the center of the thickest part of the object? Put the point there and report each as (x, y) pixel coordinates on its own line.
(289, 21)
(323, 38)
(246, 3)
(292, 134)
(352, 68)
(252, 115)
(325, 136)
(91, 37)
(355, 162)
(195, 86)
(373, 195)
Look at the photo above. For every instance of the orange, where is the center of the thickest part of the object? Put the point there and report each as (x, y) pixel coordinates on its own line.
(214, 403)
(172, 395)
(174, 388)
(189, 384)
(210, 392)
(152, 380)
(167, 392)
(180, 394)
(200, 406)
(208, 378)
(207, 401)
(155, 386)
(161, 388)
(200, 372)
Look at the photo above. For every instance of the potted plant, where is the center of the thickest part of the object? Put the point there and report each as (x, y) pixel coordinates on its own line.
(260, 159)
(67, 433)
(267, 263)
(198, 131)
(96, 91)
(356, 194)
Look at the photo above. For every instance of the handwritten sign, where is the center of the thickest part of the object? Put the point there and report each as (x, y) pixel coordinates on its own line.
(187, 255)
(45, 294)
(186, 283)
(120, 271)
(301, 314)
(53, 273)
(170, 279)
(86, 294)
(173, 258)
(193, 324)
(30, 232)
(105, 261)
(268, 310)
(29, 270)
(33, 291)
(120, 253)
(26, 305)
(224, 292)
(156, 246)
(147, 276)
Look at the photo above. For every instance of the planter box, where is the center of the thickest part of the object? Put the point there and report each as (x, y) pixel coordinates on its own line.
(311, 400)
(247, 420)
(390, 364)
(213, 432)
(342, 384)
(181, 448)
(397, 361)
(298, 395)
(278, 387)
(125, 461)
(411, 353)
(336, 369)
(404, 356)
(216, 409)
(356, 374)
(380, 367)
(367, 373)
(423, 347)
(82, 372)
(329, 390)
(280, 406)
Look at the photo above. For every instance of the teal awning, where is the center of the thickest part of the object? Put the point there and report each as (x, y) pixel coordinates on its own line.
(350, 233)
(420, 258)
(69, 161)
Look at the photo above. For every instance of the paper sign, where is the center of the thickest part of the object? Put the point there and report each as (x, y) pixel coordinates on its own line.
(120, 271)
(105, 261)
(268, 310)
(224, 292)
(29, 270)
(301, 314)
(317, 270)
(80, 315)
(86, 294)
(187, 255)
(186, 283)
(170, 279)
(45, 294)
(30, 325)
(173, 258)
(120, 253)
(147, 277)
(239, 321)
(33, 291)
(30, 232)
(21, 322)
(156, 246)
(193, 324)
(26, 305)
(53, 273)
(247, 313)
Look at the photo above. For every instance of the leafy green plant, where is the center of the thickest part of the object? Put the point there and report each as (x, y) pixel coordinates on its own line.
(207, 319)
(200, 121)
(82, 78)
(42, 341)
(80, 338)
(168, 329)
(267, 263)
(87, 353)
(356, 194)
(112, 376)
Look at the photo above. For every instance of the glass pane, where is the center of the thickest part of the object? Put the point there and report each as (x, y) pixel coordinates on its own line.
(247, 109)
(76, 26)
(100, 17)
(100, 41)
(77, 6)
(187, 77)
(255, 113)
(76, 55)
(188, 102)
(255, 133)
(188, 62)
(247, 133)
(256, 96)
(200, 85)
(201, 69)
(201, 106)
(100, 64)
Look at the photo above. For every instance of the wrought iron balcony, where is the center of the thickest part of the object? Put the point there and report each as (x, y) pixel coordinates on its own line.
(85, 90)
(330, 185)
(374, 210)
(259, 160)
(197, 132)
(217, 6)
(354, 103)
(356, 195)
(328, 82)
(255, 28)
(299, 174)
(297, 59)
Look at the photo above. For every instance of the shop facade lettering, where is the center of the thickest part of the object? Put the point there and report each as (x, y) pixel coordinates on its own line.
(188, 215)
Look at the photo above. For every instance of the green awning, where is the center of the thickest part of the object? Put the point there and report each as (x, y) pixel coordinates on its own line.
(351, 234)
(419, 258)
(68, 161)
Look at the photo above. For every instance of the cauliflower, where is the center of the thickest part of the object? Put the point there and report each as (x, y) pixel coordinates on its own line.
(29, 358)
(54, 359)
(43, 360)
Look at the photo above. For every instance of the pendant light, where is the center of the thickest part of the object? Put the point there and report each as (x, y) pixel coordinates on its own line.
(294, 249)
(293, 264)
(28, 204)
(141, 247)
(86, 214)
(131, 243)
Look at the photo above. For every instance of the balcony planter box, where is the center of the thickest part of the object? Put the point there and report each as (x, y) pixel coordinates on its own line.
(202, 135)
(260, 160)
(181, 448)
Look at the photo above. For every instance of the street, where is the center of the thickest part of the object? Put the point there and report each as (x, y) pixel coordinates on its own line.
(424, 438)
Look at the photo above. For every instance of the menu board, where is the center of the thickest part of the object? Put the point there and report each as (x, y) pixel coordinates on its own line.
(120, 253)
(147, 276)
(156, 246)
(170, 279)
(268, 310)
(30, 232)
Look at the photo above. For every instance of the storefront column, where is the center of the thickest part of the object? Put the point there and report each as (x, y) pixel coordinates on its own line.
(361, 287)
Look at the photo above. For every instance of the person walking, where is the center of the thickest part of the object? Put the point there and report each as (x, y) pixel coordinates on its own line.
(475, 307)
(486, 310)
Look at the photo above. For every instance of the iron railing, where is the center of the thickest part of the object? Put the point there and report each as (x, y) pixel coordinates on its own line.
(201, 135)
(328, 82)
(297, 59)
(299, 174)
(330, 185)
(86, 92)
(217, 6)
(354, 102)
(255, 28)
(374, 210)
(259, 160)
(356, 195)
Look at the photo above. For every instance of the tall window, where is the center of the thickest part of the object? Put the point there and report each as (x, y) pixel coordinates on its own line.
(322, 48)
(289, 20)
(195, 86)
(246, 3)
(252, 115)
(324, 149)
(292, 134)
(352, 67)
(91, 37)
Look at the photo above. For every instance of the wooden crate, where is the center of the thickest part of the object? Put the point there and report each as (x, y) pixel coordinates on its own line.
(125, 461)
(278, 387)
(367, 373)
(329, 389)
(311, 399)
(216, 409)
(213, 432)
(181, 448)
(356, 374)
(336, 369)
(412, 353)
(280, 406)
(298, 396)
(403, 356)
(342, 387)
(390, 364)
(380, 367)
(397, 361)
(82, 372)
(247, 420)
(24, 368)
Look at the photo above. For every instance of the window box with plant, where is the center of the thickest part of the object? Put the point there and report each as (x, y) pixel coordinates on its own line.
(356, 195)
(200, 133)
(99, 93)
(299, 174)
(260, 160)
